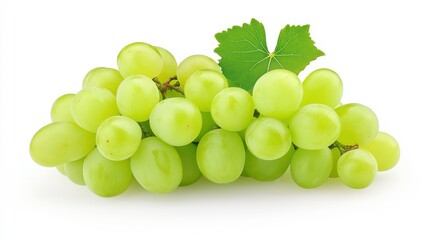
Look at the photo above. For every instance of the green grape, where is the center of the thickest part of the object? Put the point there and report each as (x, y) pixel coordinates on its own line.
(221, 156)
(322, 86)
(359, 124)
(60, 142)
(202, 86)
(74, 171)
(208, 124)
(103, 77)
(357, 168)
(91, 106)
(336, 154)
(157, 166)
(61, 109)
(140, 59)
(232, 109)
(385, 149)
(263, 170)
(169, 65)
(268, 138)
(104, 177)
(277, 94)
(311, 168)
(176, 121)
(118, 138)
(192, 64)
(191, 172)
(314, 126)
(136, 97)
(60, 169)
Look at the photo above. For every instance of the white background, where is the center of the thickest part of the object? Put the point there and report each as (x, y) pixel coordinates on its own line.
(379, 48)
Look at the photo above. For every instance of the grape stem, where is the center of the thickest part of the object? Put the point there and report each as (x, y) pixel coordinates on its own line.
(163, 87)
(343, 148)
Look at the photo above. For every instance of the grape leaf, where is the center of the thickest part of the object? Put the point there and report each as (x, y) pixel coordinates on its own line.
(245, 56)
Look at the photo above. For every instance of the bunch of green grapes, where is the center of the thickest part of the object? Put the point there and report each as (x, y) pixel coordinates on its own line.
(165, 125)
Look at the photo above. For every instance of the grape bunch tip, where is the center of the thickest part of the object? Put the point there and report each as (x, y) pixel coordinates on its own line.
(166, 124)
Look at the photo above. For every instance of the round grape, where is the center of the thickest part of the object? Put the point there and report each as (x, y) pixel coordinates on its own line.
(176, 121)
(277, 94)
(311, 168)
(221, 156)
(202, 86)
(385, 149)
(192, 64)
(357, 168)
(232, 109)
(314, 126)
(359, 124)
(139, 59)
(136, 97)
(118, 138)
(268, 138)
(157, 166)
(103, 77)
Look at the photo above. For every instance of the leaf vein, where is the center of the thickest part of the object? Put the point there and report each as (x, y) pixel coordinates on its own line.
(290, 39)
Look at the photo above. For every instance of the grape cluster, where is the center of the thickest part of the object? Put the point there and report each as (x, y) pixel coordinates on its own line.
(165, 124)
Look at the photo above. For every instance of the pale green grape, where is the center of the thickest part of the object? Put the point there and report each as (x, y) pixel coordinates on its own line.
(61, 109)
(359, 124)
(264, 170)
(232, 109)
(336, 154)
(157, 166)
(277, 94)
(60, 142)
(192, 64)
(91, 106)
(74, 171)
(221, 156)
(140, 59)
(136, 97)
(103, 77)
(268, 138)
(357, 168)
(311, 168)
(208, 124)
(385, 149)
(169, 65)
(202, 86)
(314, 126)
(176, 121)
(322, 86)
(60, 169)
(104, 177)
(191, 172)
(118, 138)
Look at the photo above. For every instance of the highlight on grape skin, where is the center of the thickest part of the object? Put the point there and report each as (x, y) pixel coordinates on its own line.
(168, 123)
